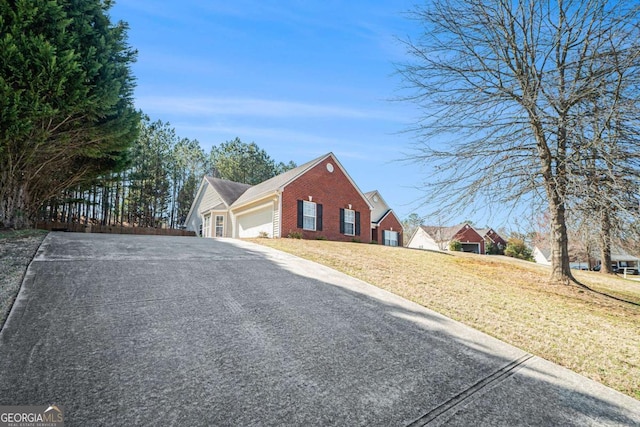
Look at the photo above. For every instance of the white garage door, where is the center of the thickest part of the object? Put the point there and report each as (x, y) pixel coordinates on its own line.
(251, 224)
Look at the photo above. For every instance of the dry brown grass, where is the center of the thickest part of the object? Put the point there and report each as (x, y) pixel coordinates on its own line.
(586, 332)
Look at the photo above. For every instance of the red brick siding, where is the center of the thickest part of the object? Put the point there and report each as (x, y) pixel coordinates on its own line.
(469, 235)
(497, 239)
(388, 223)
(334, 191)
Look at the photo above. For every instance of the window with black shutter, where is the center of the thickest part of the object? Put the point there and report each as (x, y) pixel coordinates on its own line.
(307, 215)
(300, 214)
(349, 222)
(318, 217)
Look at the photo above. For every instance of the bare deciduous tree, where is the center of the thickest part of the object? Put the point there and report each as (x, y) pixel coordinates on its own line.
(606, 176)
(501, 84)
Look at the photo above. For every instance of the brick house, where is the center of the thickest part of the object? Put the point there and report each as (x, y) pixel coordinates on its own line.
(317, 200)
(438, 238)
(492, 237)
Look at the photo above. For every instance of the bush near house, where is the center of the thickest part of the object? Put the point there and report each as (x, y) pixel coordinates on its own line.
(455, 245)
(493, 249)
(516, 248)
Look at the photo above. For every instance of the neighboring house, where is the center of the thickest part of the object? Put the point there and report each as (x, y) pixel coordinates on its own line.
(439, 238)
(386, 228)
(491, 237)
(317, 200)
(429, 238)
(542, 255)
(620, 259)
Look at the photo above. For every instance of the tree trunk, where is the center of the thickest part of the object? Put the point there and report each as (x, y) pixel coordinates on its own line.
(605, 243)
(14, 206)
(560, 268)
(64, 207)
(555, 187)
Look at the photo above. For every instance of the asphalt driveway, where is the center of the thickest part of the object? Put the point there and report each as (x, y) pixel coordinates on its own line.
(149, 330)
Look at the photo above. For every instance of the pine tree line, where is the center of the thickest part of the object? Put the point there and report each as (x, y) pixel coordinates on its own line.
(157, 183)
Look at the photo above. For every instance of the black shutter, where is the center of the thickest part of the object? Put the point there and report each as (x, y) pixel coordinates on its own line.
(357, 223)
(384, 237)
(300, 214)
(399, 239)
(318, 217)
(341, 220)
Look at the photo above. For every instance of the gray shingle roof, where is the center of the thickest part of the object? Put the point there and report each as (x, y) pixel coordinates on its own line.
(379, 220)
(483, 231)
(277, 182)
(546, 252)
(229, 191)
(617, 254)
(442, 234)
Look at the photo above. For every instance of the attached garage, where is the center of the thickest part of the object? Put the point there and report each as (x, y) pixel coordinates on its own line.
(473, 248)
(255, 221)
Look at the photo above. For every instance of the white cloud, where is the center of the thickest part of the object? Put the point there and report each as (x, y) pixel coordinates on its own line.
(285, 137)
(252, 107)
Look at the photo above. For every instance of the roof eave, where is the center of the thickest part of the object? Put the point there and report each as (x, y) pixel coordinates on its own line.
(255, 199)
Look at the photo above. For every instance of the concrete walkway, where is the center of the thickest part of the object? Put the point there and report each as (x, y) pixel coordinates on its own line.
(150, 330)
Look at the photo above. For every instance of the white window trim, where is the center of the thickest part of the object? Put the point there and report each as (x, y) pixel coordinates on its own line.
(206, 226)
(353, 222)
(388, 241)
(305, 216)
(215, 226)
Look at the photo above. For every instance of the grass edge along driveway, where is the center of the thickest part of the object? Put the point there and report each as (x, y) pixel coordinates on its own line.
(593, 335)
(17, 249)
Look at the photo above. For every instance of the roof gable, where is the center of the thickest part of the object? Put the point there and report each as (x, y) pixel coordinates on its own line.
(375, 193)
(277, 183)
(490, 233)
(544, 251)
(380, 206)
(229, 191)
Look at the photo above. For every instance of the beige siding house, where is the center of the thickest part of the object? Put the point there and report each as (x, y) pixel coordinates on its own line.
(209, 213)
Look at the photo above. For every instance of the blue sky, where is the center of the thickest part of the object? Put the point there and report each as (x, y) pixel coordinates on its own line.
(298, 78)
